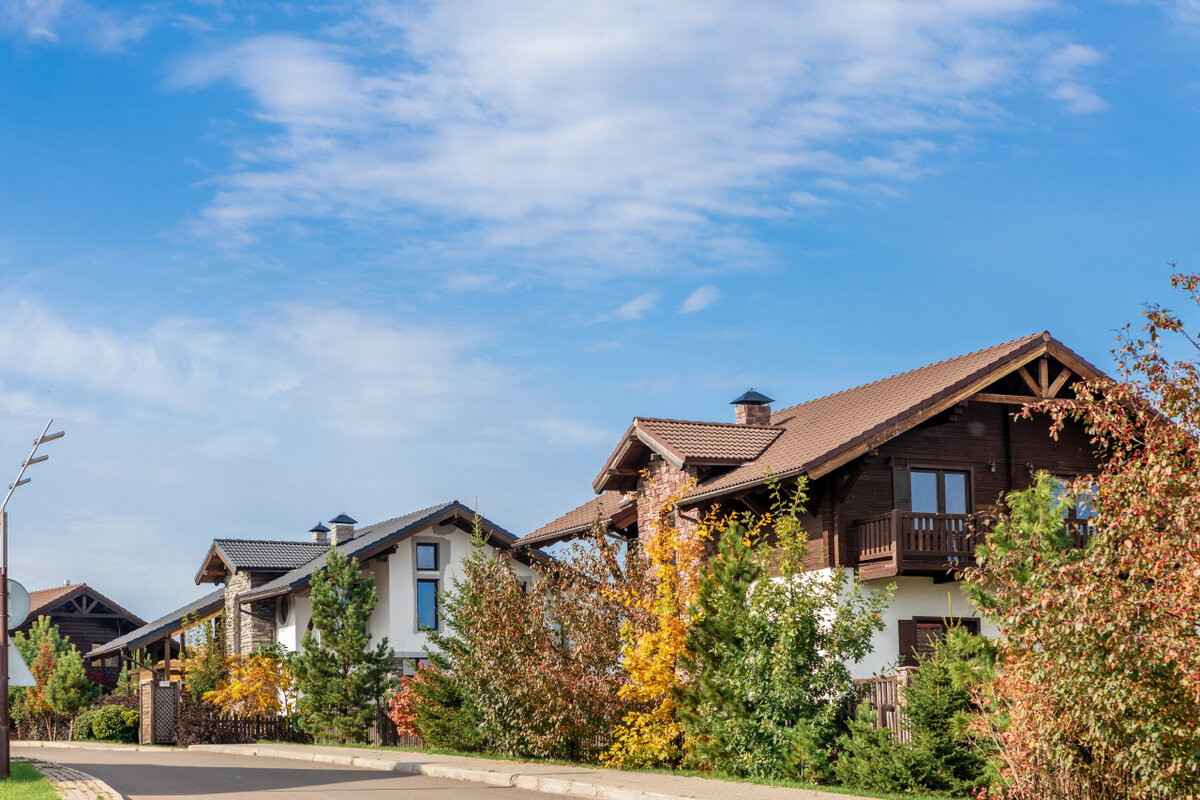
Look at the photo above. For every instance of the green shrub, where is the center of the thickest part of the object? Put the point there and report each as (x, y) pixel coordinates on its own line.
(82, 729)
(939, 758)
(114, 724)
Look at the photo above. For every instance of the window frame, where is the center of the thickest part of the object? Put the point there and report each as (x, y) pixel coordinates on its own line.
(437, 617)
(940, 470)
(437, 559)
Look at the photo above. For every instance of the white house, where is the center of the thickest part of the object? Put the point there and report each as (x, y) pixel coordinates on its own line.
(265, 582)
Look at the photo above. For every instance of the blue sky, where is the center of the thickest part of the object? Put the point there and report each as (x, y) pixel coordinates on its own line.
(271, 262)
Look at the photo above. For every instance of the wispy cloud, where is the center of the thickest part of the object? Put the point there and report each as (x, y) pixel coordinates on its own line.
(619, 137)
(700, 299)
(635, 309)
(69, 22)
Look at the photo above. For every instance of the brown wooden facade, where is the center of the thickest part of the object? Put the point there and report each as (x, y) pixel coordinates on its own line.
(83, 615)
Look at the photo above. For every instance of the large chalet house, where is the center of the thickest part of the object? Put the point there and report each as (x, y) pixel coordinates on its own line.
(899, 471)
(264, 590)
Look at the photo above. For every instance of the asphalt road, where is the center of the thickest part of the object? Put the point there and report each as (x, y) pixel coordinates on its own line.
(179, 774)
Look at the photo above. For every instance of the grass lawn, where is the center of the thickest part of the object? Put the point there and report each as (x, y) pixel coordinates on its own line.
(26, 783)
(682, 772)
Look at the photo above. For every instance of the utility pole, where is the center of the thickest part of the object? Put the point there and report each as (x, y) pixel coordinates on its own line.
(20, 481)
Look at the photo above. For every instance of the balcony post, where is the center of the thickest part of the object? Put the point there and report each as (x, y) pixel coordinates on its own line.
(896, 540)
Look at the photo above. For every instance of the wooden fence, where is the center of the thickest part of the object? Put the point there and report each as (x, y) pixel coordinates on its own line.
(383, 732)
(887, 701)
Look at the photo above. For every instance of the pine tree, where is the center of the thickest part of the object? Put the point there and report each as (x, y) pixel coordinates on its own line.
(711, 704)
(339, 678)
(68, 690)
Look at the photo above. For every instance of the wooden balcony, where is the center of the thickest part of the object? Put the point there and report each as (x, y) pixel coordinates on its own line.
(912, 543)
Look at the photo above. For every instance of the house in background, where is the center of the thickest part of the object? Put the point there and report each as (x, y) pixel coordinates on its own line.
(86, 617)
(264, 592)
(899, 470)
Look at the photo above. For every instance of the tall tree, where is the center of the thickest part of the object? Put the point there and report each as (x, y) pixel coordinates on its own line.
(1098, 691)
(339, 677)
(767, 644)
(205, 666)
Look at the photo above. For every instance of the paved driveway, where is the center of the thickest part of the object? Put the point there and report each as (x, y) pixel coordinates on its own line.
(146, 774)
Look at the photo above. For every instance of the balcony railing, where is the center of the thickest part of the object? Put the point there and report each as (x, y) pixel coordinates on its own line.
(898, 542)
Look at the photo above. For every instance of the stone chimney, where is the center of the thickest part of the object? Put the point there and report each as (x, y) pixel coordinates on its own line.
(752, 408)
(343, 529)
(320, 534)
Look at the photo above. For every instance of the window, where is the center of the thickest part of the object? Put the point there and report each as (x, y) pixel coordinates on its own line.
(1081, 508)
(939, 491)
(919, 635)
(284, 606)
(427, 556)
(427, 611)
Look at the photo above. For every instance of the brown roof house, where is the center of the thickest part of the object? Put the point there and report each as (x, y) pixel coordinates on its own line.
(264, 583)
(899, 471)
(86, 617)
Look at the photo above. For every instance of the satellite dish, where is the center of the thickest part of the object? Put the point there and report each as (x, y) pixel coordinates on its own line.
(18, 604)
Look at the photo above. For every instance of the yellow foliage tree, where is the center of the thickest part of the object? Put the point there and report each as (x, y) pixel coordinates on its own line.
(655, 637)
(258, 685)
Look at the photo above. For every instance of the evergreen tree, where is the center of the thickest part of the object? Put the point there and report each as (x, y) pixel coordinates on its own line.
(339, 678)
(68, 690)
(712, 705)
(62, 686)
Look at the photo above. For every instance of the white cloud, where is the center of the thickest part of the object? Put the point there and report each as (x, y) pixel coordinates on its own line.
(700, 299)
(615, 136)
(69, 21)
(1062, 72)
(635, 309)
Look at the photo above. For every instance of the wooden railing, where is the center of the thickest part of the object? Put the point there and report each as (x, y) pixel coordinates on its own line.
(896, 540)
(886, 702)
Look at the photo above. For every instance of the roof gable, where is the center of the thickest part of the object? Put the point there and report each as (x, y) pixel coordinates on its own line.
(612, 508)
(76, 598)
(822, 434)
(255, 555)
(374, 539)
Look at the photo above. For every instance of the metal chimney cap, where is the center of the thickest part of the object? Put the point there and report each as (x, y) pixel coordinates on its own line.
(318, 528)
(752, 398)
(343, 519)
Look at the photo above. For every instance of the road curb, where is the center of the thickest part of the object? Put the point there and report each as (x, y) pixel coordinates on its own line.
(546, 784)
(91, 746)
(74, 784)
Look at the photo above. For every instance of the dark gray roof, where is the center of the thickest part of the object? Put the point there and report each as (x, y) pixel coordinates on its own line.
(154, 631)
(343, 519)
(372, 537)
(249, 554)
(318, 528)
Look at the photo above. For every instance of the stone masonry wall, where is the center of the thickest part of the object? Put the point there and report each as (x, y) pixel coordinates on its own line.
(246, 628)
(653, 491)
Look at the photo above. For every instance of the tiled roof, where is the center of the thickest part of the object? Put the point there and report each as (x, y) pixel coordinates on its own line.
(265, 554)
(156, 630)
(371, 537)
(710, 441)
(578, 520)
(816, 432)
(42, 599)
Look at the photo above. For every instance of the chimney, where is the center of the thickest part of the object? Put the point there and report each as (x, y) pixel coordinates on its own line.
(343, 529)
(752, 408)
(320, 534)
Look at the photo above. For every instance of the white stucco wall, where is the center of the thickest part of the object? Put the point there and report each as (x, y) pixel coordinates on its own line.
(396, 582)
(914, 597)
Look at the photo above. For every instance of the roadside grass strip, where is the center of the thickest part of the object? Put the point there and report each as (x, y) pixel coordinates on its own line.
(26, 783)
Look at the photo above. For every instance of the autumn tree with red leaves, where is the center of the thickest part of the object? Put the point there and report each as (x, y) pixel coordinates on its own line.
(1097, 694)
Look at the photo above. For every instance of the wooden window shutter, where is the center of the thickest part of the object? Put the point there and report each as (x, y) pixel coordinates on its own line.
(902, 488)
(908, 642)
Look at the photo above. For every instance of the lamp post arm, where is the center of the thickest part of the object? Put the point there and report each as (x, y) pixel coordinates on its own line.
(24, 466)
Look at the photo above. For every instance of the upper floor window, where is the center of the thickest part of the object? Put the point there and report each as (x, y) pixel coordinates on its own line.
(427, 610)
(1075, 508)
(940, 491)
(427, 555)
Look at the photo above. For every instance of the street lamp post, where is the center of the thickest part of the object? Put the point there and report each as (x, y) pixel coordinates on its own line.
(20, 481)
